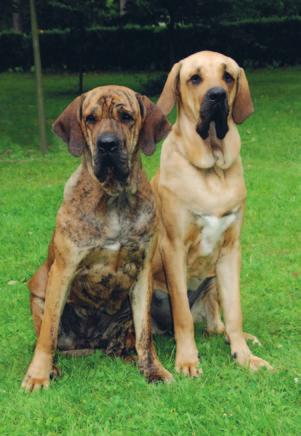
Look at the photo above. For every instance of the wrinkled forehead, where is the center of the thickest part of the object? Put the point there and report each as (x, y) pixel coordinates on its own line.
(208, 63)
(107, 98)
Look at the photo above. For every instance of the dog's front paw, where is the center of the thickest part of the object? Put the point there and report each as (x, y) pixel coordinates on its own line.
(257, 363)
(245, 358)
(188, 363)
(35, 380)
(39, 373)
(154, 372)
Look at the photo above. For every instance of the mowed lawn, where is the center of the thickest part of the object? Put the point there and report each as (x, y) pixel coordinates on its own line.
(102, 396)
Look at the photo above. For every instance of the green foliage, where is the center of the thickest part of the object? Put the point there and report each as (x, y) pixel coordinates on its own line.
(15, 50)
(60, 13)
(260, 42)
(66, 13)
(75, 14)
(173, 12)
(102, 396)
(178, 12)
(264, 8)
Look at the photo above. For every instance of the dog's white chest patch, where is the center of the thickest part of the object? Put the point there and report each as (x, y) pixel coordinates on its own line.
(114, 246)
(213, 228)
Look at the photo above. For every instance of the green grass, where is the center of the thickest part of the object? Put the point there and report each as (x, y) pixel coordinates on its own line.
(102, 396)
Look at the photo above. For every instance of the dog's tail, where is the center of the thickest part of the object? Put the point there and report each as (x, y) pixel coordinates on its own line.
(161, 306)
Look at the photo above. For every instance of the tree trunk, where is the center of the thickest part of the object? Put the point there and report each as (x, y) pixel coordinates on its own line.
(16, 17)
(171, 35)
(81, 37)
(122, 5)
(80, 46)
(81, 79)
(38, 72)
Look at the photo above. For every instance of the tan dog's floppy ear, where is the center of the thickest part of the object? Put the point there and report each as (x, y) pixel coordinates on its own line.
(170, 92)
(155, 126)
(68, 128)
(243, 105)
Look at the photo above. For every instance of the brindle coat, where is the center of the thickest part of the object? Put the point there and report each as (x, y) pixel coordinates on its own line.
(201, 194)
(99, 259)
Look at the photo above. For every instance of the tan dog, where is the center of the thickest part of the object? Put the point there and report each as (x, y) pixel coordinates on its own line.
(101, 251)
(201, 196)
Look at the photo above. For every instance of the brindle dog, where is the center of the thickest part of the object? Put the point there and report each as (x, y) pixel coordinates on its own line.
(100, 255)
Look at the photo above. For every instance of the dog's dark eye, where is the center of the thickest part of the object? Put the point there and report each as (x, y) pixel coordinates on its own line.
(90, 119)
(228, 78)
(126, 117)
(195, 79)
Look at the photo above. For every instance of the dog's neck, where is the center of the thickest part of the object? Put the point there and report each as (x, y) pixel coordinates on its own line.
(86, 199)
(115, 188)
(210, 152)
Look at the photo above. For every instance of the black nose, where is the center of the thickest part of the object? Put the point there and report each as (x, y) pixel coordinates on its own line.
(217, 94)
(108, 142)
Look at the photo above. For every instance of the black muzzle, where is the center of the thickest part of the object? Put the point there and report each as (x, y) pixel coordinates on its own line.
(214, 109)
(111, 158)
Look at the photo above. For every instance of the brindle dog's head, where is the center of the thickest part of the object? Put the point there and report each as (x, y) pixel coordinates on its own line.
(108, 125)
(209, 88)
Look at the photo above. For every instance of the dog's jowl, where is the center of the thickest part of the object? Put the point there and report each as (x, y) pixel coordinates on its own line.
(94, 290)
(201, 194)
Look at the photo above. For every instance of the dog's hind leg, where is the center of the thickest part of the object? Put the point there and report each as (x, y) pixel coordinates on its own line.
(78, 353)
(206, 307)
(248, 337)
(37, 287)
(252, 338)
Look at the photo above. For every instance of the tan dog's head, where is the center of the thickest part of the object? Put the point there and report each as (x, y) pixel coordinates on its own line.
(108, 125)
(209, 87)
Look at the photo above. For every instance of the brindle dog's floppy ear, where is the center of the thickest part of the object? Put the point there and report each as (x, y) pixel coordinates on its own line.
(155, 125)
(68, 128)
(243, 105)
(170, 92)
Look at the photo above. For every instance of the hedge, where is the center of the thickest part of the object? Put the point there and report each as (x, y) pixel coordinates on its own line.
(252, 43)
